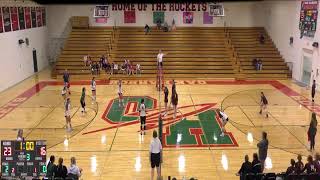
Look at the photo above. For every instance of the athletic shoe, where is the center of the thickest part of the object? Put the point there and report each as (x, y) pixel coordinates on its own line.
(260, 112)
(222, 135)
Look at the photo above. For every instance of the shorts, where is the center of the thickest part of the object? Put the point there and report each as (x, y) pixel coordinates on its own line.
(93, 90)
(166, 100)
(155, 160)
(160, 64)
(120, 95)
(83, 104)
(143, 120)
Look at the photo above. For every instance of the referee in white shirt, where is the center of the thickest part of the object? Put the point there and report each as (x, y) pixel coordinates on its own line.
(159, 58)
(155, 154)
(142, 111)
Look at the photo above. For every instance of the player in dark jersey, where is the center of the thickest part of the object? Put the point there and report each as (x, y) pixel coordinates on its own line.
(82, 100)
(166, 94)
(174, 101)
(264, 104)
(313, 90)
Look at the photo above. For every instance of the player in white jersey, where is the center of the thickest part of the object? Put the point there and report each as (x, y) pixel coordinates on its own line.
(93, 89)
(143, 115)
(121, 104)
(225, 120)
(67, 114)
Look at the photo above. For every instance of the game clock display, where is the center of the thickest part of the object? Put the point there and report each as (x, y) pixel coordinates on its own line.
(23, 158)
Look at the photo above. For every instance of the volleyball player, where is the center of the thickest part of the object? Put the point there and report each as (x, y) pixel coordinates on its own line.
(264, 104)
(82, 101)
(93, 89)
(121, 104)
(174, 101)
(225, 120)
(67, 112)
(313, 90)
(166, 94)
(142, 111)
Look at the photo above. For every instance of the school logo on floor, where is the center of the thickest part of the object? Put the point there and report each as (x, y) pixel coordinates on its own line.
(194, 126)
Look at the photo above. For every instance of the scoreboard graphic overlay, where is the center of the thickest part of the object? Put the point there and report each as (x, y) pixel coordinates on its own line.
(23, 158)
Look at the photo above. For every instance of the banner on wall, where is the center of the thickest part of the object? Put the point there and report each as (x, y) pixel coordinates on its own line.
(22, 24)
(14, 18)
(27, 17)
(129, 16)
(207, 19)
(216, 10)
(101, 11)
(158, 16)
(43, 14)
(6, 19)
(308, 18)
(39, 19)
(187, 17)
(1, 24)
(101, 20)
(33, 17)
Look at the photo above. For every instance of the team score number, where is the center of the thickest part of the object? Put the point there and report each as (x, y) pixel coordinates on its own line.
(43, 151)
(29, 146)
(7, 151)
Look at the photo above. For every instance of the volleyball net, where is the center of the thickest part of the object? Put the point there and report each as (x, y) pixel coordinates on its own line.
(286, 126)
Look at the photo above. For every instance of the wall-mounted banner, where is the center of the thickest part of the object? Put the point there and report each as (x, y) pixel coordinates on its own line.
(101, 11)
(158, 16)
(43, 12)
(161, 7)
(22, 23)
(1, 24)
(308, 18)
(39, 19)
(6, 19)
(101, 20)
(187, 17)
(33, 17)
(27, 17)
(216, 10)
(207, 19)
(14, 18)
(129, 16)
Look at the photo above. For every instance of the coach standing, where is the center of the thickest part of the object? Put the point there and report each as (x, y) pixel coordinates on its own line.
(263, 149)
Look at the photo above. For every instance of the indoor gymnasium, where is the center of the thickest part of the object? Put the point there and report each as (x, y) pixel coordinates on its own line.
(187, 90)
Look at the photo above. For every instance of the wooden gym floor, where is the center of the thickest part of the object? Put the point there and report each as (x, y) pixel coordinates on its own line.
(107, 144)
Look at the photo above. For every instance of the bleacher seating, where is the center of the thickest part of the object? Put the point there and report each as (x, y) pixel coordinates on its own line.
(245, 42)
(193, 52)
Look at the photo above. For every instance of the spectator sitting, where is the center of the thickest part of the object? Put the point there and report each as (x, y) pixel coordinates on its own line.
(291, 169)
(130, 69)
(85, 60)
(158, 24)
(116, 68)
(261, 39)
(255, 63)
(147, 29)
(309, 166)
(138, 69)
(51, 167)
(165, 27)
(259, 64)
(256, 165)
(60, 170)
(317, 162)
(299, 165)
(74, 171)
(246, 168)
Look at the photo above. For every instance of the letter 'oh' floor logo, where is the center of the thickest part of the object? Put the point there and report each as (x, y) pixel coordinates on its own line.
(195, 125)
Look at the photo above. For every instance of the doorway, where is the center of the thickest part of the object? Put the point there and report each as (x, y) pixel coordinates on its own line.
(306, 70)
(35, 61)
